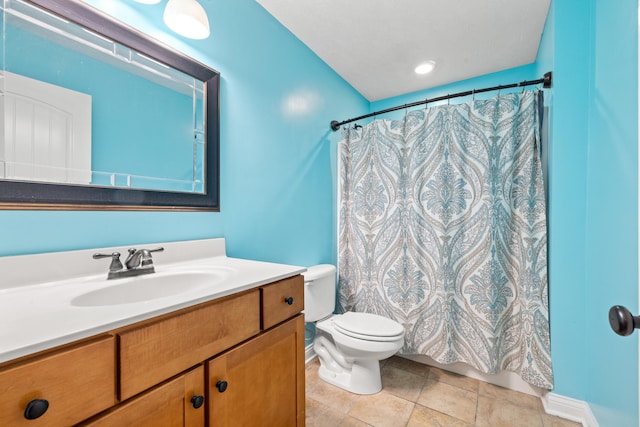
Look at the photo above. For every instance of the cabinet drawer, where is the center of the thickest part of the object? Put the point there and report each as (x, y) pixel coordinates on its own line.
(77, 383)
(151, 353)
(281, 300)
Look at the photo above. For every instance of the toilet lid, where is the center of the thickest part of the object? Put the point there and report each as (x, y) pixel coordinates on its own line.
(368, 326)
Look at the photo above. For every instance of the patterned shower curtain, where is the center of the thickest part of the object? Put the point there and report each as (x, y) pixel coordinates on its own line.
(442, 227)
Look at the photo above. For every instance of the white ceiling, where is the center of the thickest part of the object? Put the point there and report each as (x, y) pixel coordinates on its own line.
(375, 44)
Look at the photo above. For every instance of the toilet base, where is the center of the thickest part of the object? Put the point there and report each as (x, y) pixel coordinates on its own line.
(362, 377)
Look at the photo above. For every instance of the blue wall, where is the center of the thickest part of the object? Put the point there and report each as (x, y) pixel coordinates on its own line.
(277, 170)
(612, 209)
(593, 203)
(567, 197)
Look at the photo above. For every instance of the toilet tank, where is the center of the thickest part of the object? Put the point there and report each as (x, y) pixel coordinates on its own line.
(319, 292)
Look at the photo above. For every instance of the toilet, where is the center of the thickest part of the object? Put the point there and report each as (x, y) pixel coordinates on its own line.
(350, 345)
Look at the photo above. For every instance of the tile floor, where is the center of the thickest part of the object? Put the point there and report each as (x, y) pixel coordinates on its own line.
(414, 394)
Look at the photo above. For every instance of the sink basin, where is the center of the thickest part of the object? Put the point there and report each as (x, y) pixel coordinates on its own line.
(150, 287)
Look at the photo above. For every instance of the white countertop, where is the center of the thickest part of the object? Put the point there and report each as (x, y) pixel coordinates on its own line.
(38, 314)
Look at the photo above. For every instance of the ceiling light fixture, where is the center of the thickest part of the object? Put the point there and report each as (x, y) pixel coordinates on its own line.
(148, 1)
(187, 18)
(425, 67)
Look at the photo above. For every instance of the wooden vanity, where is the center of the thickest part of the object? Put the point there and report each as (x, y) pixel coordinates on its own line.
(234, 361)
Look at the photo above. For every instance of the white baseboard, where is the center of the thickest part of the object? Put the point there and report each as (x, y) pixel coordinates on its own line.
(570, 409)
(309, 354)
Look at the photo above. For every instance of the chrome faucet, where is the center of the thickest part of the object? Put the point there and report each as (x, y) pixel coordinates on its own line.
(137, 263)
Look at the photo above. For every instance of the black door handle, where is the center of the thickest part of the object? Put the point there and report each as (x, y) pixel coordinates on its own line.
(622, 321)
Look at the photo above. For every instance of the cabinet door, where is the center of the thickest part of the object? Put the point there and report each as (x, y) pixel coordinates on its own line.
(169, 405)
(261, 382)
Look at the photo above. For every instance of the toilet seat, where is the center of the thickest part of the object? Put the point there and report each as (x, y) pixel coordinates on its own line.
(367, 326)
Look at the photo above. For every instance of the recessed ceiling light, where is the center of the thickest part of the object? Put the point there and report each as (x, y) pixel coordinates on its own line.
(425, 67)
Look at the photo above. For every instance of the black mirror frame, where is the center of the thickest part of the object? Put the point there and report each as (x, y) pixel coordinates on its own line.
(43, 196)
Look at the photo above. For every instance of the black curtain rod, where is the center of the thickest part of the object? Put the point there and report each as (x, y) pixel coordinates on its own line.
(546, 82)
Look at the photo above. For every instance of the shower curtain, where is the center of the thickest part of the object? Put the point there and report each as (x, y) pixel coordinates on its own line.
(442, 227)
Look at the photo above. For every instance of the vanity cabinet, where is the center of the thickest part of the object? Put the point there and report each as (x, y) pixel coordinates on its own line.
(237, 360)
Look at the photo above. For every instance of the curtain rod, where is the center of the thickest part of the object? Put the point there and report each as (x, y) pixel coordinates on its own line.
(546, 82)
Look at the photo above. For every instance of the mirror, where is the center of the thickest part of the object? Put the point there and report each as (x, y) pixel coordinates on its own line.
(97, 115)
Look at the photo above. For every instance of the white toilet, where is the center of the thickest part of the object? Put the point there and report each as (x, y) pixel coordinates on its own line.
(350, 345)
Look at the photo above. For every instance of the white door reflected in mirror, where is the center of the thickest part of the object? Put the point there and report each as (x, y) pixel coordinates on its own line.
(46, 132)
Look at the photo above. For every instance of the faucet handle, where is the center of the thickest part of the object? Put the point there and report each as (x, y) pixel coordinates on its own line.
(146, 256)
(134, 250)
(115, 265)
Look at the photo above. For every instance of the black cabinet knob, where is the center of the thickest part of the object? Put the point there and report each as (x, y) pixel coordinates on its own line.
(36, 408)
(622, 321)
(197, 401)
(289, 300)
(222, 386)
